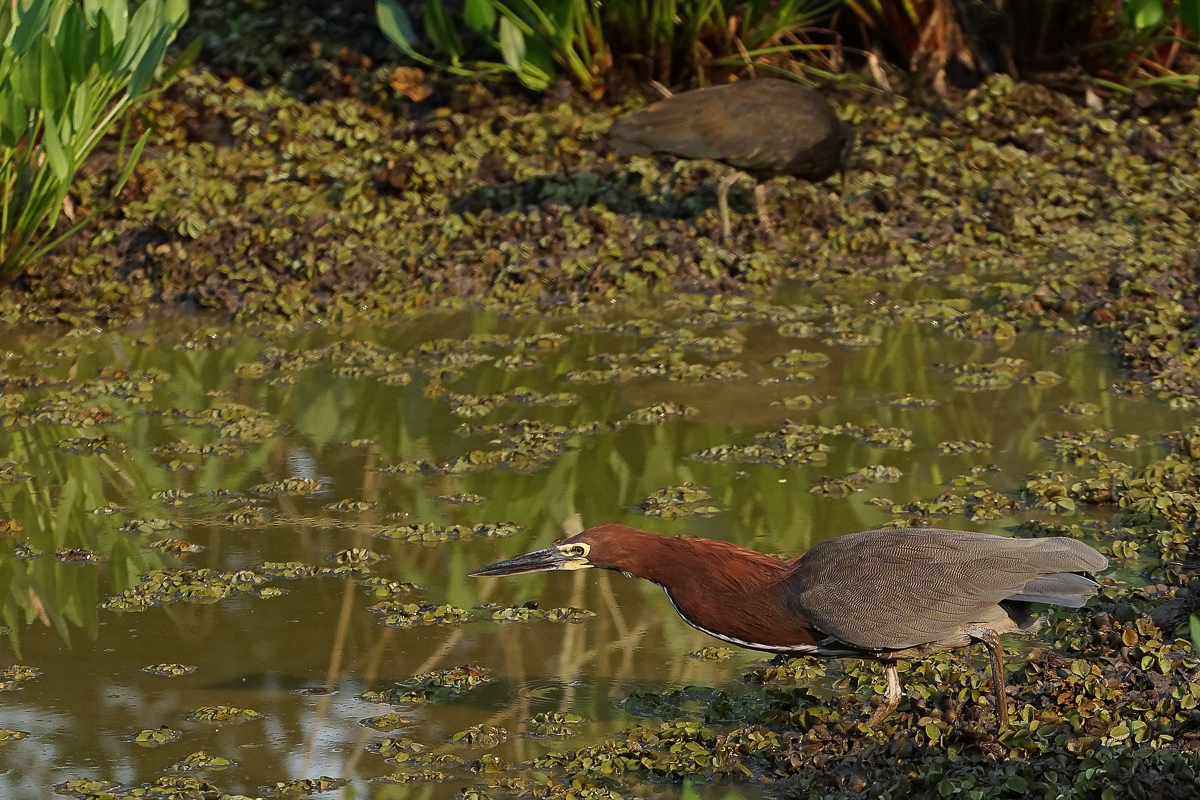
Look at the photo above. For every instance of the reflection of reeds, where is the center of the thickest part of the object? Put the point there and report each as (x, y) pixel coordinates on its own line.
(635, 641)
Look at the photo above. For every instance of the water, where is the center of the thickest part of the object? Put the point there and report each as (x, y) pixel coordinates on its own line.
(302, 660)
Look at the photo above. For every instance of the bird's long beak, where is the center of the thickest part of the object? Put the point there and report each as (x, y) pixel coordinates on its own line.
(558, 557)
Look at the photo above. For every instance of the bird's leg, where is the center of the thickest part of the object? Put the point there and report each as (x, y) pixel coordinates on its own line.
(992, 641)
(760, 205)
(891, 695)
(723, 203)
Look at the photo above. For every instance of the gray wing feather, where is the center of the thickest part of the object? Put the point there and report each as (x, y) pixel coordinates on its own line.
(892, 589)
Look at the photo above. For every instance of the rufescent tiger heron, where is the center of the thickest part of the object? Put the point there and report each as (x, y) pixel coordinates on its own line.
(763, 128)
(881, 595)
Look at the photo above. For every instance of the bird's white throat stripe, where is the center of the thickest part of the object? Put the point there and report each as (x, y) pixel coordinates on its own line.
(770, 648)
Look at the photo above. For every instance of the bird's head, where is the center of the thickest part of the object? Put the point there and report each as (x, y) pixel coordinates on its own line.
(605, 547)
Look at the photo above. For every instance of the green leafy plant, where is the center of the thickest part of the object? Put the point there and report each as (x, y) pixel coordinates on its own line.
(666, 41)
(68, 72)
(529, 36)
(1141, 42)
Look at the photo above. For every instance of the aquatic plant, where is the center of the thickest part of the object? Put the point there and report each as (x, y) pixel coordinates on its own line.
(664, 41)
(68, 73)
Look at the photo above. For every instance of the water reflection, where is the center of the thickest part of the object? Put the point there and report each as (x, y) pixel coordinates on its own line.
(117, 444)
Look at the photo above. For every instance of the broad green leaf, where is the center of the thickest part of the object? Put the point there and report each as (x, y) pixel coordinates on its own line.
(176, 11)
(14, 117)
(151, 60)
(1146, 13)
(30, 24)
(146, 21)
(1189, 12)
(117, 14)
(60, 10)
(72, 36)
(480, 16)
(396, 25)
(512, 44)
(1194, 630)
(54, 149)
(27, 78)
(53, 81)
(80, 103)
(538, 68)
(440, 30)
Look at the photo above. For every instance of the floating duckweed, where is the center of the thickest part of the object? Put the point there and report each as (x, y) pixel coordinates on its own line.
(24, 551)
(674, 501)
(546, 724)
(385, 723)
(383, 587)
(791, 445)
(173, 497)
(85, 788)
(795, 376)
(794, 670)
(978, 325)
(852, 339)
(356, 556)
(432, 687)
(83, 445)
(801, 402)
(909, 401)
(286, 570)
(169, 670)
(154, 737)
(482, 735)
(1043, 377)
(429, 533)
(800, 358)
(303, 787)
(349, 505)
(891, 438)
(672, 749)
(712, 653)
(999, 374)
(77, 555)
(960, 448)
(416, 776)
(393, 745)
(248, 515)
(223, 715)
(412, 615)
(11, 473)
(462, 498)
(1079, 409)
(526, 614)
(294, 487)
(800, 330)
(218, 450)
(199, 761)
(177, 547)
(856, 481)
(1130, 441)
(165, 586)
(661, 412)
(152, 525)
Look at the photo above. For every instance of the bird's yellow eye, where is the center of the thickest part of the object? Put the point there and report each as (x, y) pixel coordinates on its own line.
(577, 550)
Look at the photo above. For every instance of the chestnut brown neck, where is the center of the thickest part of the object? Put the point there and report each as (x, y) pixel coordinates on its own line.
(723, 589)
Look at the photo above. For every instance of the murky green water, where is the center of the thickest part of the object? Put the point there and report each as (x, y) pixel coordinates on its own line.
(296, 446)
